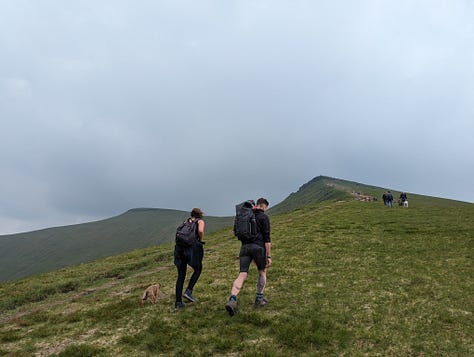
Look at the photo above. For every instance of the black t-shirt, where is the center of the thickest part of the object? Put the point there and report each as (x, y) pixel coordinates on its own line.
(263, 227)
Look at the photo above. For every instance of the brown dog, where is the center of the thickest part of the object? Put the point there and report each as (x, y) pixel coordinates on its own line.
(151, 293)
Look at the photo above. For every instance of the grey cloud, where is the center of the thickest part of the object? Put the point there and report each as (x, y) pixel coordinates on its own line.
(113, 105)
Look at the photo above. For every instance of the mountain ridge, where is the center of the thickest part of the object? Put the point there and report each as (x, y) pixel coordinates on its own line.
(348, 278)
(30, 253)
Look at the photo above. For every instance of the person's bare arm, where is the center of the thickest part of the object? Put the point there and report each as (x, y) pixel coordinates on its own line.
(201, 226)
(268, 248)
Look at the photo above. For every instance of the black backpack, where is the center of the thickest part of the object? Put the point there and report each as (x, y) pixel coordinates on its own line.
(245, 224)
(186, 233)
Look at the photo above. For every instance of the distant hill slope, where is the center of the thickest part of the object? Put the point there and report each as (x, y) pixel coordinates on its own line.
(40, 251)
(329, 189)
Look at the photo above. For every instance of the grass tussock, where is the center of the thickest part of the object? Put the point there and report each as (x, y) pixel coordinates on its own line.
(349, 278)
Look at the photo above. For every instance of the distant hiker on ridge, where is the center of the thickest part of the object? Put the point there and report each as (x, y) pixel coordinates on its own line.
(189, 251)
(256, 247)
(389, 199)
(403, 201)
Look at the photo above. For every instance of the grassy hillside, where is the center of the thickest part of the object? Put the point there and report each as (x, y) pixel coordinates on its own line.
(26, 254)
(319, 189)
(349, 278)
(329, 189)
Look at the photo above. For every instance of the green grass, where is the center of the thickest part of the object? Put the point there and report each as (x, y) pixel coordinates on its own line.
(349, 279)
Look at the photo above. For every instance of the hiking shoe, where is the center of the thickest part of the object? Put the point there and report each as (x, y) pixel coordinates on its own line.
(261, 302)
(179, 305)
(231, 307)
(189, 296)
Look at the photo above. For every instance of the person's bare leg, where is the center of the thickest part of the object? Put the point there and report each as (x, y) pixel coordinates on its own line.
(231, 305)
(262, 281)
(238, 283)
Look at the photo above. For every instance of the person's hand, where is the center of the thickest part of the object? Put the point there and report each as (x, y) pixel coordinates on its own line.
(269, 262)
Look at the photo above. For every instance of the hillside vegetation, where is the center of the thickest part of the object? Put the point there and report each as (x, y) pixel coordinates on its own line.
(350, 278)
(27, 254)
(30, 253)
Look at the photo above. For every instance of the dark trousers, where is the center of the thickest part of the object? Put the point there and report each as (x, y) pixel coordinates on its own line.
(184, 256)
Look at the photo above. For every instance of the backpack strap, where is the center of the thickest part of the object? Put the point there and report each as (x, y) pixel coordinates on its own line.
(196, 223)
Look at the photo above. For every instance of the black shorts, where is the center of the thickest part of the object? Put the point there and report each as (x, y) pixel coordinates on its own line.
(254, 252)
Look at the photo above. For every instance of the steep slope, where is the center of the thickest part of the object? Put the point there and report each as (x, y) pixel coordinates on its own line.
(349, 278)
(31, 253)
(317, 190)
(329, 189)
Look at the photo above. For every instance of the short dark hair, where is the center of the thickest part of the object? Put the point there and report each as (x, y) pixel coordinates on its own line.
(196, 213)
(263, 201)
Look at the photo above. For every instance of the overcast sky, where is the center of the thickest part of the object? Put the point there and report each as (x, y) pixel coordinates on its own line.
(111, 105)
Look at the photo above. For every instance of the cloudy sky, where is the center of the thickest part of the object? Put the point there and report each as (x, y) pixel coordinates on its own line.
(110, 105)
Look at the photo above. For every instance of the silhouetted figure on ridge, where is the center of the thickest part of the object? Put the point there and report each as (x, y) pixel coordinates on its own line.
(389, 199)
(403, 200)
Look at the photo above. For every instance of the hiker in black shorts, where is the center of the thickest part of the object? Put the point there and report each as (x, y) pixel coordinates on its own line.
(192, 256)
(258, 251)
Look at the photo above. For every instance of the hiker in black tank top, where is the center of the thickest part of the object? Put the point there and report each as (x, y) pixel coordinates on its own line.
(192, 256)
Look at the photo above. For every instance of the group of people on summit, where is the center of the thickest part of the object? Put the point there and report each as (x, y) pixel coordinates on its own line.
(256, 246)
(387, 198)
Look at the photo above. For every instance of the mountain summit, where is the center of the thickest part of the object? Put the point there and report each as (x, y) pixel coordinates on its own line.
(324, 188)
